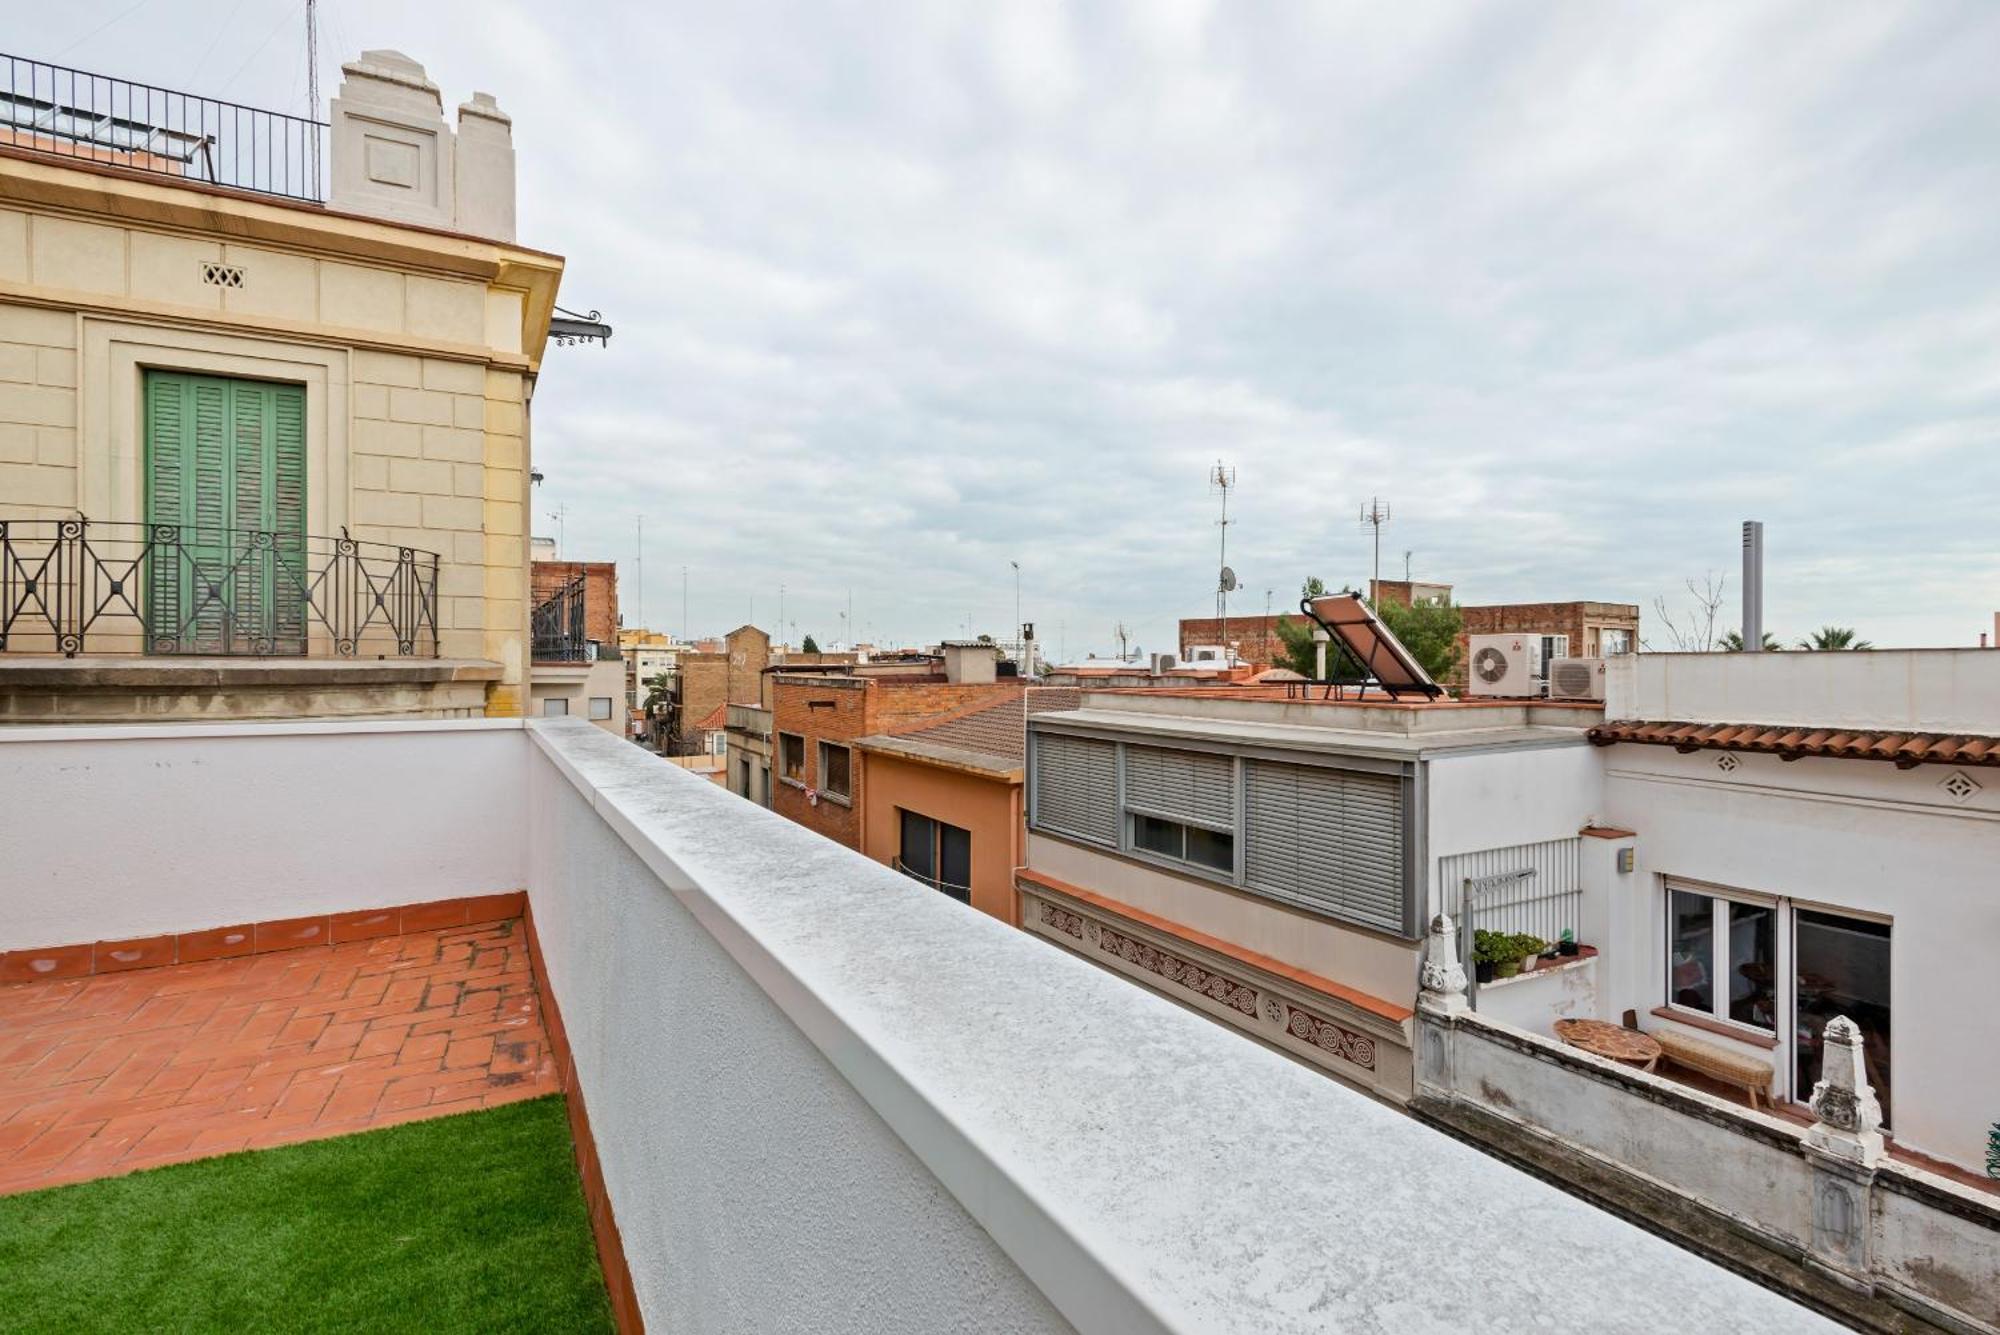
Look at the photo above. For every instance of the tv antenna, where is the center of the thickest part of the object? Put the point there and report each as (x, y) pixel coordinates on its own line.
(1122, 634)
(1375, 514)
(1221, 479)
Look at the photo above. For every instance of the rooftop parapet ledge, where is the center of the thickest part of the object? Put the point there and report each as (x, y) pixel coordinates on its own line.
(395, 157)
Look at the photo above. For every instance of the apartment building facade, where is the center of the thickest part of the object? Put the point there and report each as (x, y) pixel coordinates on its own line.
(1273, 863)
(705, 684)
(818, 719)
(576, 667)
(944, 804)
(253, 420)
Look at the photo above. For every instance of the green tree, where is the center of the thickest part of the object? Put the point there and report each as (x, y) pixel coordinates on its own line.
(809, 646)
(1834, 637)
(657, 688)
(1429, 631)
(1732, 643)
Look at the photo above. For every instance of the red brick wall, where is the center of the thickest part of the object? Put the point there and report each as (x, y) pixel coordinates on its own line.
(830, 709)
(600, 593)
(840, 709)
(1255, 637)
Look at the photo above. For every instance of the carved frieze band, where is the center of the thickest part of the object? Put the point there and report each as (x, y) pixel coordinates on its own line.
(1301, 1024)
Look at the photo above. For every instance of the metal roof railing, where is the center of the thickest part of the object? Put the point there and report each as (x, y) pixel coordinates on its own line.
(75, 114)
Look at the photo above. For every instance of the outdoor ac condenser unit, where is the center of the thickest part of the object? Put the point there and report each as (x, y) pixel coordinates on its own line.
(1576, 679)
(1503, 665)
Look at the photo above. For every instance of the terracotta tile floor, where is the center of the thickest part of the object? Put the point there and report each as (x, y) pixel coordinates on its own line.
(121, 1071)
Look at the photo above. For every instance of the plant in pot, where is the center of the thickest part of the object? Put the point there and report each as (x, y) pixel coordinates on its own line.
(1523, 947)
(1487, 947)
(1567, 946)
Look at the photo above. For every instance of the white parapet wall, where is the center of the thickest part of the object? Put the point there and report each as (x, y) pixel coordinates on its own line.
(823, 1097)
(828, 1099)
(1919, 1241)
(109, 833)
(1920, 690)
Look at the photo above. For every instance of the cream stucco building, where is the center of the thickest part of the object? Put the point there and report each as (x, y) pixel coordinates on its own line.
(262, 455)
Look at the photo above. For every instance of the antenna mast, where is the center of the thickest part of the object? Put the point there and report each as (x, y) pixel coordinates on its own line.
(1120, 632)
(312, 82)
(1375, 514)
(1221, 478)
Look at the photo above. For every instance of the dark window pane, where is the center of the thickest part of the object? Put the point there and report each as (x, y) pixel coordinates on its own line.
(955, 862)
(1691, 951)
(833, 763)
(919, 839)
(1753, 959)
(1842, 969)
(1156, 836)
(1208, 849)
(792, 757)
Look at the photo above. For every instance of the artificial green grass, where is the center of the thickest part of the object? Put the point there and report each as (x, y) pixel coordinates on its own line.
(474, 1222)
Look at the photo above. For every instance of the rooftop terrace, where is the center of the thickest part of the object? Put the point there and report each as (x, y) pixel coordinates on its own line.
(809, 1094)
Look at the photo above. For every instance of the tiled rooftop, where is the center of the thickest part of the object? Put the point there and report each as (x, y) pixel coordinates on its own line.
(109, 1073)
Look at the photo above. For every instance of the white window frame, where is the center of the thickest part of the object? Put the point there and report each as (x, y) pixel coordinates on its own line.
(1718, 1012)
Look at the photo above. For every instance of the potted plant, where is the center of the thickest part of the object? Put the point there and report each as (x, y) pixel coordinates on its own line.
(1567, 946)
(1525, 946)
(1486, 951)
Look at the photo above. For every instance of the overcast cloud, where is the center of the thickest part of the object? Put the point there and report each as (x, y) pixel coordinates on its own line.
(903, 293)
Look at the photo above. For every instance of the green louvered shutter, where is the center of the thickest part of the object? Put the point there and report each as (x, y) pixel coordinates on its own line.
(226, 469)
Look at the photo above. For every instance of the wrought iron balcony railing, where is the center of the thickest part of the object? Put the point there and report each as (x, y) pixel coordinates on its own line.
(73, 586)
(557, 625)
(71, 113)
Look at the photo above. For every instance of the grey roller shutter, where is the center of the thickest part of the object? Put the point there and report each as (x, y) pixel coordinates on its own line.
(1076, 787)
(1328, 840)
(1190, 786)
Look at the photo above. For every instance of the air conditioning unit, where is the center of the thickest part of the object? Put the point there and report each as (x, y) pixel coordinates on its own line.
(1162, 664)
(1503, 665)
(1576, 679)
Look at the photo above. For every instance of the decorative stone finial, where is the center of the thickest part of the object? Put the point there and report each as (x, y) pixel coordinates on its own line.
(1847, 1118)
(1443, 975)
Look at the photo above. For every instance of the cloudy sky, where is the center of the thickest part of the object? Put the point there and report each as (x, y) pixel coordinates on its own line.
(905, 293)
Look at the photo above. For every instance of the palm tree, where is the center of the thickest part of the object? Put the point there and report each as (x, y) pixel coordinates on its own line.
(1732, 643)
(1834, 637)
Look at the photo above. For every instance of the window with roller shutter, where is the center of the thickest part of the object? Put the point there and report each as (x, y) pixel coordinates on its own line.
(1329, 840)
(1076, 787)
(1194, 787)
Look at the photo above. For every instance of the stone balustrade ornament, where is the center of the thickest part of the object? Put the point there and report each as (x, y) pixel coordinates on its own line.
(1443, 975)
(1847, 1118)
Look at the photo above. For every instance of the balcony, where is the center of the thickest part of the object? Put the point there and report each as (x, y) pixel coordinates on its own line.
(805, 1092)
(62, 112)
(105, 622)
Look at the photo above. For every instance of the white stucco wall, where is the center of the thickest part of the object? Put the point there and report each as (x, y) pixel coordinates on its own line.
(1930, 690)
(1140, 1166)
(1843, 834)
(1495, 799)
(119, 832)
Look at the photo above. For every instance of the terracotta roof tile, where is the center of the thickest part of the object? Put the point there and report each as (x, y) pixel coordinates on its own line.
(1906, 749)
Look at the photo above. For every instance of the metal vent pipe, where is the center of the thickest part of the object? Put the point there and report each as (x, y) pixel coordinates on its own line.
(1753, 586)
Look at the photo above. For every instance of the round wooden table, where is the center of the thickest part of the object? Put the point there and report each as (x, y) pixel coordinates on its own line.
(1610, 1040)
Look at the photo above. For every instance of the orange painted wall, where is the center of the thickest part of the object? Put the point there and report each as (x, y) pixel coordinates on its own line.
(990, 809)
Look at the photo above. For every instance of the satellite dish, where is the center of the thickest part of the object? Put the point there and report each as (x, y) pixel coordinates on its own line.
(1228, 580)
